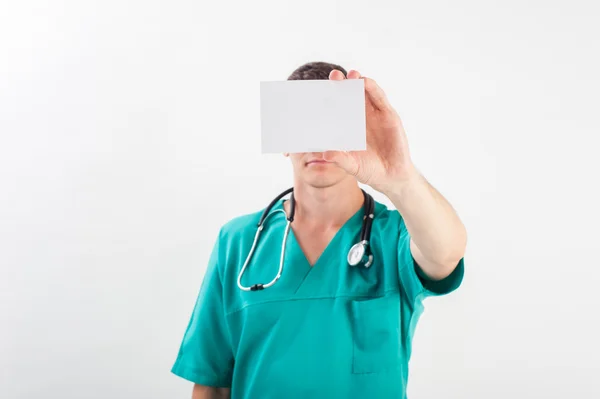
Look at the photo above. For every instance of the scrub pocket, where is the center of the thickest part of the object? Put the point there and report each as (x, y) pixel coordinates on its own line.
(376, 334)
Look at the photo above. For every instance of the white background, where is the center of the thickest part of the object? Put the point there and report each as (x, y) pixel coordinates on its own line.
(129, 133)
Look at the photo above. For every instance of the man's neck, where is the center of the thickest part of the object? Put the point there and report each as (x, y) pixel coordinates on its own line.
(329, 206)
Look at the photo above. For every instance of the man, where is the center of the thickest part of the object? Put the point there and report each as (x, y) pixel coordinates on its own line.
(326, 329)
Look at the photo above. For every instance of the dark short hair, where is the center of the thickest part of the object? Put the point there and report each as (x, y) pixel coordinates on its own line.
(315, 71)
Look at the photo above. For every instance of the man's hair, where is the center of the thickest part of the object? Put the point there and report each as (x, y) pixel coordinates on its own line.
(315, 71)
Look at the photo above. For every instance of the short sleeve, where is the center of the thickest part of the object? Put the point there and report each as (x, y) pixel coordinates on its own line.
(414, 281)
(205, 356)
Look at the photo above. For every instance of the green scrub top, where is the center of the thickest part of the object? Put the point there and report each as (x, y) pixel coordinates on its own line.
(326, 331)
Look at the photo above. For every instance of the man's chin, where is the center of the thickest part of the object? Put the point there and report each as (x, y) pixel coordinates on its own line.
(324, 181)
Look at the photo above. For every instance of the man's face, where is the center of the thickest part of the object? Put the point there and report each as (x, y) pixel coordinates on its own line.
(312, 169)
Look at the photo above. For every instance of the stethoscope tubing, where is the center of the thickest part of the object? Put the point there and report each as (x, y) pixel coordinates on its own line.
(369, 205)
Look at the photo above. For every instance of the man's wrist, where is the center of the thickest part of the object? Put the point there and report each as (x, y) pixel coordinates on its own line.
(396, 188)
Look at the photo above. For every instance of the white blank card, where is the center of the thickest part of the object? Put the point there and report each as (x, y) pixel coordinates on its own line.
(312, 116)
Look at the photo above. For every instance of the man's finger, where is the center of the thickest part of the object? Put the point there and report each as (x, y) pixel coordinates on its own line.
(336, 75)
(352, 74)
(376, 94)
(342, 159)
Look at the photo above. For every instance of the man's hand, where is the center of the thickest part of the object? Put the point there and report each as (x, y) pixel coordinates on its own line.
(438, 237)
(387, 160)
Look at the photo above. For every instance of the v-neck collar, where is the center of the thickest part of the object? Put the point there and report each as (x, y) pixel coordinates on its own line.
(294, 250)
(296, 262)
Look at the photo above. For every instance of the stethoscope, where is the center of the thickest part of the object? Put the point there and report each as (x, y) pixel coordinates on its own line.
(359, 253)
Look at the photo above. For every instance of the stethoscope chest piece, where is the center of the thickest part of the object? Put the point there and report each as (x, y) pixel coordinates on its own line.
(357, 254)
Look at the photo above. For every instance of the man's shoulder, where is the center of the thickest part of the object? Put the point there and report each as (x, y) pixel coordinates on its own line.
(240, 225)
(387, 215)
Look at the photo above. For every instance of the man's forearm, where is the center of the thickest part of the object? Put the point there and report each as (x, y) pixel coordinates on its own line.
(206, 392)
(433, 224)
